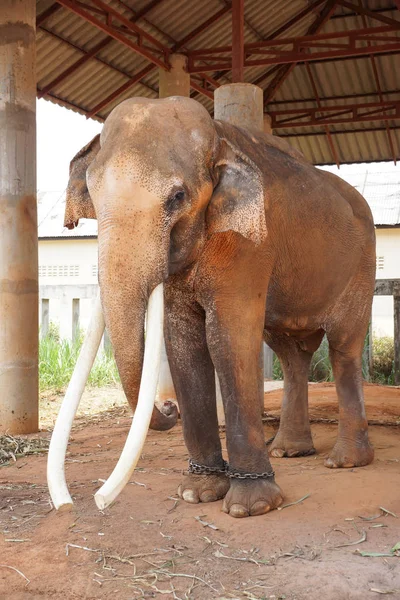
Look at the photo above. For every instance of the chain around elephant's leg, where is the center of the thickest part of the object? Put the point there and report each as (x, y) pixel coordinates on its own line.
(194, 380)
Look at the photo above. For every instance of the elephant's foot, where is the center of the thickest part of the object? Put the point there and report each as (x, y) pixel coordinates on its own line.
(203, 488)
(249, 498)
(349, 453)
(290, 445)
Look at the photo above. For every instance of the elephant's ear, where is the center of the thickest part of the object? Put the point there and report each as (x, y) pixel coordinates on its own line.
(78, 202)
(237, 203)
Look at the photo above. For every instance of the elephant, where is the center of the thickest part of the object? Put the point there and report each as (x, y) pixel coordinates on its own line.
(252, 243)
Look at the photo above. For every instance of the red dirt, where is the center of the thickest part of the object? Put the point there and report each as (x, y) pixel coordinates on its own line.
(286, 554)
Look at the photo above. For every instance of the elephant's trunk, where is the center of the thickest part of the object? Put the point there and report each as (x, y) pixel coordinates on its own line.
(131, 265)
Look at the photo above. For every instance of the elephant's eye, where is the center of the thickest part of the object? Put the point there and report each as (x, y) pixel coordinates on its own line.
(175, 200)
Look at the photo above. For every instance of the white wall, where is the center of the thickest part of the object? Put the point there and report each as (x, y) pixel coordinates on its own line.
(68, 262)
(388, 267)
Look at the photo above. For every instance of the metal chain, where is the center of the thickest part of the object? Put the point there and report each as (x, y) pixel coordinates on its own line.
(236, 475)
(196, 469)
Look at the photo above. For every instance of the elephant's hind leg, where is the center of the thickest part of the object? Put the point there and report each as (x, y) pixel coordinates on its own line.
(352, 447)
(346, 341)
(294, 435)
(194, 380)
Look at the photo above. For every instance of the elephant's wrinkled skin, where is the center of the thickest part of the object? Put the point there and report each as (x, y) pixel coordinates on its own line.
(251, 241)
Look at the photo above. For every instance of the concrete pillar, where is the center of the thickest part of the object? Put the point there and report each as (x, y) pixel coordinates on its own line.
(45, 317)
(240, 104)
(175, 82)
(19, 308)
(267, 124)
(65, 316)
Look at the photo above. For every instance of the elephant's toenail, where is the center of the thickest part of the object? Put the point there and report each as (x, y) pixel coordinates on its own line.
(259, 508)
(238, 511)
(278, 452)
(330, 464)
(190, 496)
(292, 453)
(208, 496)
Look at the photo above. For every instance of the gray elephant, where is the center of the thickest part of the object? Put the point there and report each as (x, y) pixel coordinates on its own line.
(252, 242)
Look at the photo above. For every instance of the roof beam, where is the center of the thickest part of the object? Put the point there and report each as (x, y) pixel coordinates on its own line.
(91, 53)
(319, 104)
(300, 15)
(237, 49)
(46, 14)
(323, 17)
(369, 13)
(96, 58)
(108, 28)
(189, 37)
(339, 132)
(274, 52)
(336, 114)
(303, 13)
(333, 98)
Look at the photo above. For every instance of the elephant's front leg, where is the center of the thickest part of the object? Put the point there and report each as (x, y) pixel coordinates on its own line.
(194, 380)
(235, 308)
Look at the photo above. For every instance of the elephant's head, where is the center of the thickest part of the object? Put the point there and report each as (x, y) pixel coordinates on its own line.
(78, 202)
(154, 181)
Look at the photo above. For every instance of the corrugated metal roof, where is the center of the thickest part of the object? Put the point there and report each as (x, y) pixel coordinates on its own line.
(63, 37)
(380, 189)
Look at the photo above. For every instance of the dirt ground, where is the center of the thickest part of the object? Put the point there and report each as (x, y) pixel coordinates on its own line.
(148, 544)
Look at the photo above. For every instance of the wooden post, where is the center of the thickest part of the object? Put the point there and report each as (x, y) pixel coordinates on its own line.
(45, 319)
(237, 41)
(396, 306)
(75, 319)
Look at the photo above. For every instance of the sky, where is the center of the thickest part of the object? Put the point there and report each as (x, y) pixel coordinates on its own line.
(61, 133)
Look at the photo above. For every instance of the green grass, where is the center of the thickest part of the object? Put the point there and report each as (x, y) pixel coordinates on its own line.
(57, 359)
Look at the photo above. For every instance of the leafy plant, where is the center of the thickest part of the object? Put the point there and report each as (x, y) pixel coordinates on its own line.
(383, 361)
(57, 359)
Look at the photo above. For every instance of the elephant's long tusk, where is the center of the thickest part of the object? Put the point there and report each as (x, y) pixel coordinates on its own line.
(59, 440)
(141, 419)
